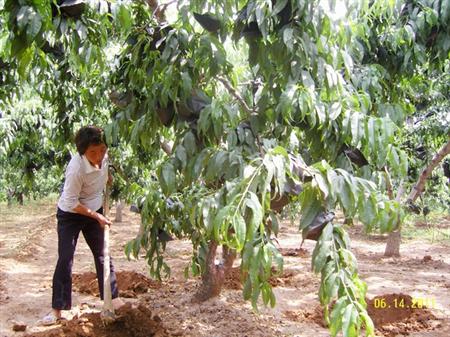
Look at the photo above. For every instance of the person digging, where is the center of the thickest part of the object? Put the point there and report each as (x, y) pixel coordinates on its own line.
(80, 210)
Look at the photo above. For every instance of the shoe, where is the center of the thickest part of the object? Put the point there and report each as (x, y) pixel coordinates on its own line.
(49, 319)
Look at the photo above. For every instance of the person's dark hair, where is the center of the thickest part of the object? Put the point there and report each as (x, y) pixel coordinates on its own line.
(88, 135)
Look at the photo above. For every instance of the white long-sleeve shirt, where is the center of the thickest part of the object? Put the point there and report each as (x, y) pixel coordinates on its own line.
(84, 184)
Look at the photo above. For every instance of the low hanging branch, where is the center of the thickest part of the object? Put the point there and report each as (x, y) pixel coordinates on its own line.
(235, 94)
(420, 185)
(241, 100)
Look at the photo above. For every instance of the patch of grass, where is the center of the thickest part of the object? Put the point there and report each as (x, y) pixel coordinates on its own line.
(433, 228)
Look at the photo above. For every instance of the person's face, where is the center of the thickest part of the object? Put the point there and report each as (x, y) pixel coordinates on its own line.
(95, 153)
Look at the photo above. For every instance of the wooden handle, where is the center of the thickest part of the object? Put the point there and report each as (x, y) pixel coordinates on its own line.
(107, 296)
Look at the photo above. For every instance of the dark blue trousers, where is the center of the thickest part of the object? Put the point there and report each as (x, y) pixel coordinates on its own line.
(69, 227)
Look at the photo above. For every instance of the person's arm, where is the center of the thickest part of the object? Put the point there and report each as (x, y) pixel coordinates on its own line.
(102, 220)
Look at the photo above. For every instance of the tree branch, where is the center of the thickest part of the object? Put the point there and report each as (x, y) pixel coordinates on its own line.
(420, 185)
(247, 109)
(234, 92)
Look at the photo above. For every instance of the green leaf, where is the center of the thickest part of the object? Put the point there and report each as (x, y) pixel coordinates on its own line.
(288, 37)
(307, 80)
(319, 180)
(187, 82)
(257, 214)
(334, 185)
(337, 315)
(34, 25)
(221, 217)
(279, 6)
(190, 143)
(310, 206)
(23, 16)
(125, 18)
(24, 61)
(331, 286)
(239, 230)
(371, 133)
(367, 210)
(370, 328)
(335, 110)
(320, 255)
(275, 223)
(181, 155)
(349, 321)
(355, 127)
(247, 291)
(167, 178)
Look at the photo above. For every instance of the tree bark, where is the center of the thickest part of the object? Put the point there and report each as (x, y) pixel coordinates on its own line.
(214, 276)
(395, 237)
(420, 185)
(19, 197)
(393, 243)
(119, 208)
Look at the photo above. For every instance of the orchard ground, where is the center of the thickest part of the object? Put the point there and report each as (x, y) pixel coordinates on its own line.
(28, 241)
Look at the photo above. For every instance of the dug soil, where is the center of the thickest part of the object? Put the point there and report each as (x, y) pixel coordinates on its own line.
(396, 287)
(128, 322)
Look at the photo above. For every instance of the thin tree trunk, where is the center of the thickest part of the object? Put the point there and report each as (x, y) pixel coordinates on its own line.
(393, 243)
(395, 237)
(420, 185)
(228, 255)
(20, 198)
(214, 275)
(119, 209)
(106, 200)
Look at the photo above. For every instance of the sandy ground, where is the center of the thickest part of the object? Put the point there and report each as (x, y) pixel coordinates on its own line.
(28, 257)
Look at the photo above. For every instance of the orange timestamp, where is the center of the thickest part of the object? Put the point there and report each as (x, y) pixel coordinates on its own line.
(400, 303)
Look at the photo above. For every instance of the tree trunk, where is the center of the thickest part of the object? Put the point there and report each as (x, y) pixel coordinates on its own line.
(106, 200)
(395, 237)
(214, 275)
(393, 244)
(19, 197)
(119, 208)
(10, 196)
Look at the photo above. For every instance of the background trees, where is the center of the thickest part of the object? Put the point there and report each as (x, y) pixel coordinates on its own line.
(262, 103)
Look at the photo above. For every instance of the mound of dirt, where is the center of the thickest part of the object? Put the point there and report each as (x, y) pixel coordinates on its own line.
(284, 279)
(311, 315)
(233, 279)
(395, 314)
(129, 322)
(130, 283)
(298, 252)
(392, 315)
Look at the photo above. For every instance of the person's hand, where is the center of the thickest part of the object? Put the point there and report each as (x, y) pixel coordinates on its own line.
(103, 220)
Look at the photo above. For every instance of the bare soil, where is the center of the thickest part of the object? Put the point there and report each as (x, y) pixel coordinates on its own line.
(131, 283)
(28, 257)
